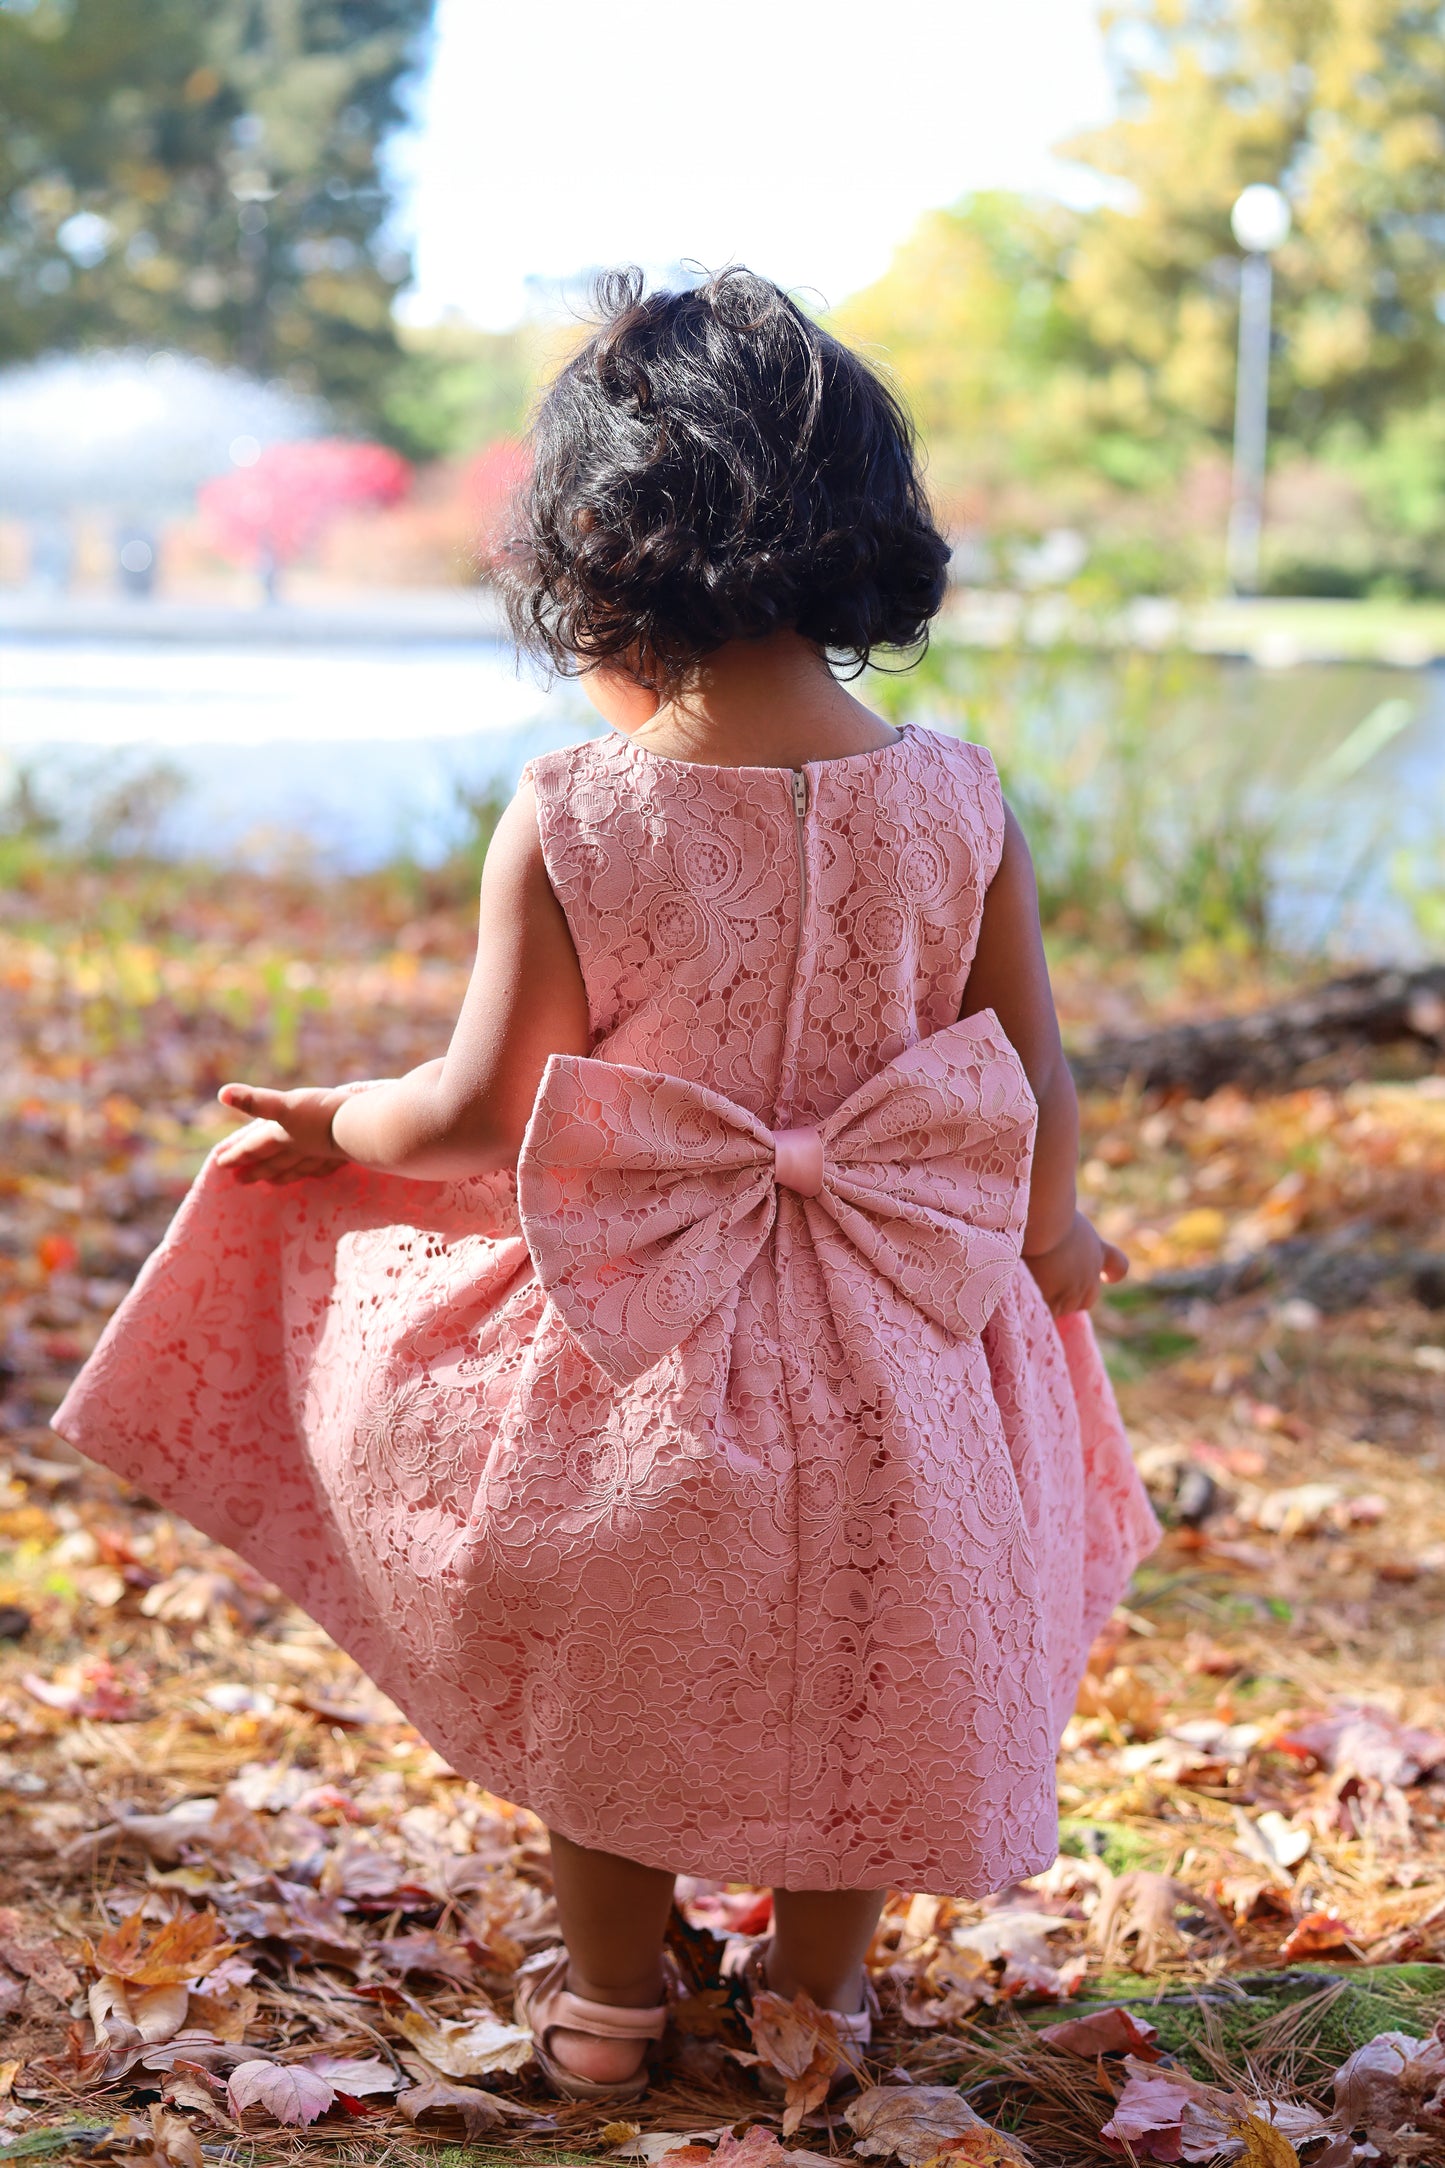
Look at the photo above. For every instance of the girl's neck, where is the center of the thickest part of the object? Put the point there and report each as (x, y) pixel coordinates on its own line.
(770, 703)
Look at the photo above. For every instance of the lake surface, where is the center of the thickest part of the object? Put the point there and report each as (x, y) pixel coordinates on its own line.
(352, 754)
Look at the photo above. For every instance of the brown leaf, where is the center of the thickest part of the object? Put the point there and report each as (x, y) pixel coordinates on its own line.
(472, 2046)
(31, 1952)
(174, 2142)
(801, 2043)
(423, 1951)
(1115, 2031)
(184, 1948)
(914, 2123)
(187, 2085)
(1141, 1908)
(1392, 2079)
(1317, 1931)
(440, 2099)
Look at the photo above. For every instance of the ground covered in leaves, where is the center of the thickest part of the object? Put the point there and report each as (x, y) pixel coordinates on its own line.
(248, 1916)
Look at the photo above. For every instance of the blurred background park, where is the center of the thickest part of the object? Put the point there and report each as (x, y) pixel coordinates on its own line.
(1165, 290)
(281, 276)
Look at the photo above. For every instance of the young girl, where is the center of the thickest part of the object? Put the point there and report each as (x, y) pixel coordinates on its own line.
(680, 1396)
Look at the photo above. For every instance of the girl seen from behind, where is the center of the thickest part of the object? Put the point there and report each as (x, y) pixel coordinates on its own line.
(680, 1396)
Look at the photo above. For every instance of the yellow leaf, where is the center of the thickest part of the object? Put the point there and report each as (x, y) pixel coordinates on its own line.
(1264, 2145)
(185, 1948)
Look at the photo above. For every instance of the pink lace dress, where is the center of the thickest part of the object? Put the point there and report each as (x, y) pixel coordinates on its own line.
(720, 1487)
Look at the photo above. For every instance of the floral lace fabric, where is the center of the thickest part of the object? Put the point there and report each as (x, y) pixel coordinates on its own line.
(787, 1572)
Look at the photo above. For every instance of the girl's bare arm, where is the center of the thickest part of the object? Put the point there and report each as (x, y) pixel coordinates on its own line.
(464, 1114)
(1011, 976)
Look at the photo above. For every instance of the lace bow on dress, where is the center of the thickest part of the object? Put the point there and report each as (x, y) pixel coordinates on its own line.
(645, 1198)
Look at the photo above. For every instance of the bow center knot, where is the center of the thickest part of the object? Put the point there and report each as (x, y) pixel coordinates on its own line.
(798, 1160)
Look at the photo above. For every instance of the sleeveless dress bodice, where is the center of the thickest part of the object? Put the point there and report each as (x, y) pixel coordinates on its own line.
(791, 1581)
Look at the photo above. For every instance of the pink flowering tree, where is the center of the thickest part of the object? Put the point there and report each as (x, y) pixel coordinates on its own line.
(270, 513)
(490, 482)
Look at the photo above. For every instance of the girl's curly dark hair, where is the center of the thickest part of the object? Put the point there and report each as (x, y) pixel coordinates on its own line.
(712, 466)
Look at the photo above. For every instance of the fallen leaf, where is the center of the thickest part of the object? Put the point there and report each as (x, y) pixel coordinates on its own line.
(1148, 2120)
(1359, 1740)
(1265, 2144)
(1115, 2031)
(1144, 1909)
(656, 2145)
(615, 2134)
(801, 2044)
(161, 1837)
(435, 2098)
(472, 2046)
(183, 1948)
(424, 1951)
(985, 2149)
(187, 2085)
(187, 1597)
(1271, 1840)
(914, 2123)
(1384, 2082)
(8, 2074)
(31, 1952)
(173, 2142)
(354, 2074)
(289, 2092)
(1123, 1698)
(1317, 1931)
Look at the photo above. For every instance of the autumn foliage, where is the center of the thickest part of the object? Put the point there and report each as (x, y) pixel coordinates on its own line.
(281, 505)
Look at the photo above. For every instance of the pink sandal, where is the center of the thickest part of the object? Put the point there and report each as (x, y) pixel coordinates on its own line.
(545, 2004)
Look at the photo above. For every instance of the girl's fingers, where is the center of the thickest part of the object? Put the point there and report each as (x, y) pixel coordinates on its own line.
(259, 1140)
(1115, 1265)
(257, 1101)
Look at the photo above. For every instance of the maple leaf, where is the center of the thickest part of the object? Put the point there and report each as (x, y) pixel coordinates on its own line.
(287, 2091)
(801, 2044)
(184, 1948)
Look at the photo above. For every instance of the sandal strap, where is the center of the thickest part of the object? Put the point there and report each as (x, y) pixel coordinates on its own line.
(567, 2012)
(547, 2005)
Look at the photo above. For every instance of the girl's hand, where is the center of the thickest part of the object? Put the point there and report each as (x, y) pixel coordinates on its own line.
(288, 1136)
(1069, 1274)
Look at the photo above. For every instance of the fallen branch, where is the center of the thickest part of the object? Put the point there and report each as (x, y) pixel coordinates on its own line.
(1271, 1045)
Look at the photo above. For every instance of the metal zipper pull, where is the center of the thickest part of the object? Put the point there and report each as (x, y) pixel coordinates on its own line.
(800, 793)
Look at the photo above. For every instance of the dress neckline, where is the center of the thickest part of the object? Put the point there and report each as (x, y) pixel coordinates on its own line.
(740, 767)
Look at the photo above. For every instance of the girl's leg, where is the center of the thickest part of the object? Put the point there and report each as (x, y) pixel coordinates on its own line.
(820, 1938)
(613, 1914)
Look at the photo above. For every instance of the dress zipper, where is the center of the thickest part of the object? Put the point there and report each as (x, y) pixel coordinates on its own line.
(800, 812)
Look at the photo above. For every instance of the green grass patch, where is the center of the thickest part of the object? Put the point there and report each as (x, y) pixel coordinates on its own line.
(1119, 1847)
(1353, 2006)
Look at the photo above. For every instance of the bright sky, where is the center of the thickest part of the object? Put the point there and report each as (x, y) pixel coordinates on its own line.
(802, 137)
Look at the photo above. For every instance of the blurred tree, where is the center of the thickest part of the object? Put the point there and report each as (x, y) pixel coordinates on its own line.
(458, 388)
(1342, 103)
(207, 178)
(973, 318)
(271, 512)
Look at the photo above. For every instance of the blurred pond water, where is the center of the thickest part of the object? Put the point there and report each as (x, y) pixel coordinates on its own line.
(354, 755)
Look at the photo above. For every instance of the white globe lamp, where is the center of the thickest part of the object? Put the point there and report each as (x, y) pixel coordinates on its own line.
(1261, 219)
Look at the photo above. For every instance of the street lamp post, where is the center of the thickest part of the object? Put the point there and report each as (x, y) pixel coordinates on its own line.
(1261, 221)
